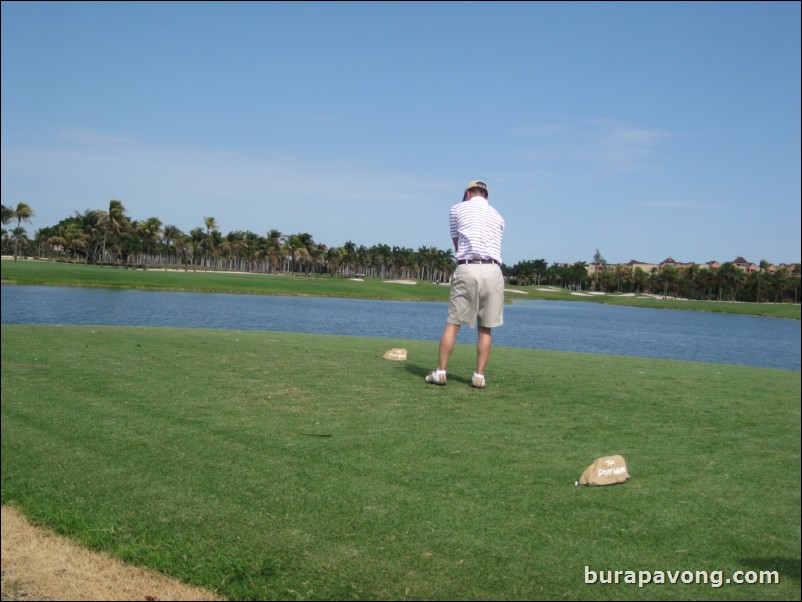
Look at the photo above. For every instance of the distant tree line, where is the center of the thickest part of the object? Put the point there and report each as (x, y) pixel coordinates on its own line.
(725, 283)
(111, 238)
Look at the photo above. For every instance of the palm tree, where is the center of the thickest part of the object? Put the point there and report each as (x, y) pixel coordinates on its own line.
(707, 279)
(171, 235)
(350, 256)
(210, 223)
(782, 284)
(427, 259)
(71, 238)
(248, 245)
(539, 266)
(444, 265)
(729, 279)
(23, 213)
(114, 222)
(7, 214)
(764, 270)
(577, 275)
(317, 256)
(310, 249)
(211, 226)
(216, 245)
(334, 259)
(296, 249)
(272, 252)
(20, 235)
(380, 258)
(402, 258)
(362, 258)
(181, 243)
(89, 224)
(196, 237)
(150, 230)
(667, 278)
(689, 279)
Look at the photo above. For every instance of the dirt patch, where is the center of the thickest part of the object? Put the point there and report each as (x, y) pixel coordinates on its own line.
(40, 565)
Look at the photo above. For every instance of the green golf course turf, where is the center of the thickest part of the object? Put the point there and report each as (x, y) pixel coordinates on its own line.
(277, 466)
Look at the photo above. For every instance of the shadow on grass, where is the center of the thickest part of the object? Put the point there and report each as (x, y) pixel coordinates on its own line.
(421, 372)
(788, 568)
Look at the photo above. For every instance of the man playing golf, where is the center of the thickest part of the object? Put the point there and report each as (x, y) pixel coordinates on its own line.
(477, 286)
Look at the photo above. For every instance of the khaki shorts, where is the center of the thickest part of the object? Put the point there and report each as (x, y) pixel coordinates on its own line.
(477, 291)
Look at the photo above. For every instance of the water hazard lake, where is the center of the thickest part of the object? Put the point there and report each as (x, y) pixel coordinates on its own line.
(552, 325)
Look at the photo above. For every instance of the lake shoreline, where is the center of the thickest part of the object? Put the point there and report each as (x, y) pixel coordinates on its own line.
(66, 274)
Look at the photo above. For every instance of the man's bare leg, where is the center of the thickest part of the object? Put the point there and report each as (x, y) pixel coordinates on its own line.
(483, 349)
(447, 341)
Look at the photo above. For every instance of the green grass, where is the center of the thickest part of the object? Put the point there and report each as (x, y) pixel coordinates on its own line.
(52, 273)
(42, 272)
(288, 466)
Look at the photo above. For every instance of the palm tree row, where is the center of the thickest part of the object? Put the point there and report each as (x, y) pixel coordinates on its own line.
(23, 213)
(110, 237)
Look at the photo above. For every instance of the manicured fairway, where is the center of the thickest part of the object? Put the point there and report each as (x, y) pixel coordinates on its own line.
(286, 466)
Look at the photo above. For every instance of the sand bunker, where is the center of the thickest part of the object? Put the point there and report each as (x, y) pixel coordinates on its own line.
(40, 565)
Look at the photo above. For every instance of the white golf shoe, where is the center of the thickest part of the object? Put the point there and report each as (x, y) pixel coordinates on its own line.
(436, 377)
(478, 381)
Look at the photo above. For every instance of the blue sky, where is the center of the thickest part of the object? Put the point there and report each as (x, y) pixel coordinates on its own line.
(643, 130)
